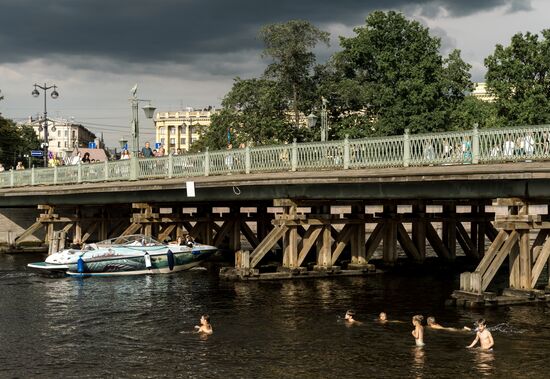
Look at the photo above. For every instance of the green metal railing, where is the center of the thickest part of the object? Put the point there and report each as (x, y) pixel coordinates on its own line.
(475, 146)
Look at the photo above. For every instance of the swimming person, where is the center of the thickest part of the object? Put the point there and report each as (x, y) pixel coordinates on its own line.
(483, 335)
(418, 332)
(205, 326)
(382, 318)
(349, 317)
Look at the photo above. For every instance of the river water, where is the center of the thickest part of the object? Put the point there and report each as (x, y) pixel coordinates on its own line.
(141, 327)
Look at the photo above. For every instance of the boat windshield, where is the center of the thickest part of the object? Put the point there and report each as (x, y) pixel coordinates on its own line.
(131, 240)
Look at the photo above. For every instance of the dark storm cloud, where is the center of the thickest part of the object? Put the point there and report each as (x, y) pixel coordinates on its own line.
(182, 32)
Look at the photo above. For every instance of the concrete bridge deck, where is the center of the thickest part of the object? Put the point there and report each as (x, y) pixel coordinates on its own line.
(529, 180)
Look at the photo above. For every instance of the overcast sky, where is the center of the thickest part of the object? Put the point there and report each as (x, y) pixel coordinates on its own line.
(187, 52)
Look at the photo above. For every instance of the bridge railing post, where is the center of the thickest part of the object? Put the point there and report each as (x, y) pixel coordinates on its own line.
(247, 160)
(79, 174)
(346, 152)
(406, 148)
(475, 145)
(294, 156)
(12, 178)
(134, 165)
(54, 174)
(206, 162)
(170, 165)
(32, 176)
(106, 168)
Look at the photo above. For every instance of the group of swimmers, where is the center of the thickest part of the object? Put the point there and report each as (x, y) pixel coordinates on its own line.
(483, 335)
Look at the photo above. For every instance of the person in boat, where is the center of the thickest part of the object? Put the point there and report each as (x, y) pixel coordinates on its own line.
(418, 332)
(205, 327)
(483, 335)
(189, 241)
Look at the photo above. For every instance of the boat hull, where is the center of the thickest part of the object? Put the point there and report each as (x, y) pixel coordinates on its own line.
(136, 265)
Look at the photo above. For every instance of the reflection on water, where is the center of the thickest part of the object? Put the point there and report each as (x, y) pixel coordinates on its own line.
(484, 362)
(419, 358)
(143, 327)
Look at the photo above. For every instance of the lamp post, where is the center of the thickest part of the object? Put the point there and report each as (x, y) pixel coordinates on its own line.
(149, 110)
(54, 95)
(324, 120)
(312, 120)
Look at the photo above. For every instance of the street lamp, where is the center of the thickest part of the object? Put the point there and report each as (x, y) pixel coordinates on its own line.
(54, 95)
(324, 120)
(312, 120)
(149, 110)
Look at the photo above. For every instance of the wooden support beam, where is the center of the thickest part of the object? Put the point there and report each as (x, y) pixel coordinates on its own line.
(419, 229)
(438, 245)
(290, 248)
(308, 241)
(490, 231)
(465, 242)
(407, 244)
(539, 241)
(499, 259)
(449, 230)
(341, 241)
(526, 261)
(267, 243)
(491, 252)
(29, 232)
(249, 234)
(131, 229)
(166, 232)
(389, 247)
(540, 262)
(91, 229)
(224, 232)
(374, 240)
(324, 258)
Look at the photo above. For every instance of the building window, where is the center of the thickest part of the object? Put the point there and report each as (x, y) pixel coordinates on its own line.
(65, 143)
(162, 141)
(183, 140)
(59, 133)
(74, 134)
(172, 129)
(172, 141)
(58, 143)
(66, 133)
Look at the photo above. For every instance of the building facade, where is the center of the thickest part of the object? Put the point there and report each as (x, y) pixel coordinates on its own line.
(480, 91)
(176, 131)
(63, 135)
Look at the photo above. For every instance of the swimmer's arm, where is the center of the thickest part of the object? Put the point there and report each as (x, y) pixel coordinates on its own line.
(491, 341)
(473, 343)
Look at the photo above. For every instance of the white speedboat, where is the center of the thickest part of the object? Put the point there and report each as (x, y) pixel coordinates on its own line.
(127, 255)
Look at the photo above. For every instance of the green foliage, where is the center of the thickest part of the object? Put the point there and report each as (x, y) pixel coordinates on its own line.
(472, 111)
(289, 45)
(391, 72)
(16, 141)
(518, 76)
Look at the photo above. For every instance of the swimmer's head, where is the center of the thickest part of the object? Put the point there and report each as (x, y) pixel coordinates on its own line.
(382, 316)
(481, 324)
(205, 318)
(418, 319)
(349, 315)
(430, 320)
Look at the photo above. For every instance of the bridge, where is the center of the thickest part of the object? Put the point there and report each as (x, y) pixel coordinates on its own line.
(323, 205)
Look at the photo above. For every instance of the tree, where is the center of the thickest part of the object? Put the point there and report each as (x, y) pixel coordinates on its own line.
(392, 75)
(254, 111)
(518, 75)
(289, 45)
(16, 141)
